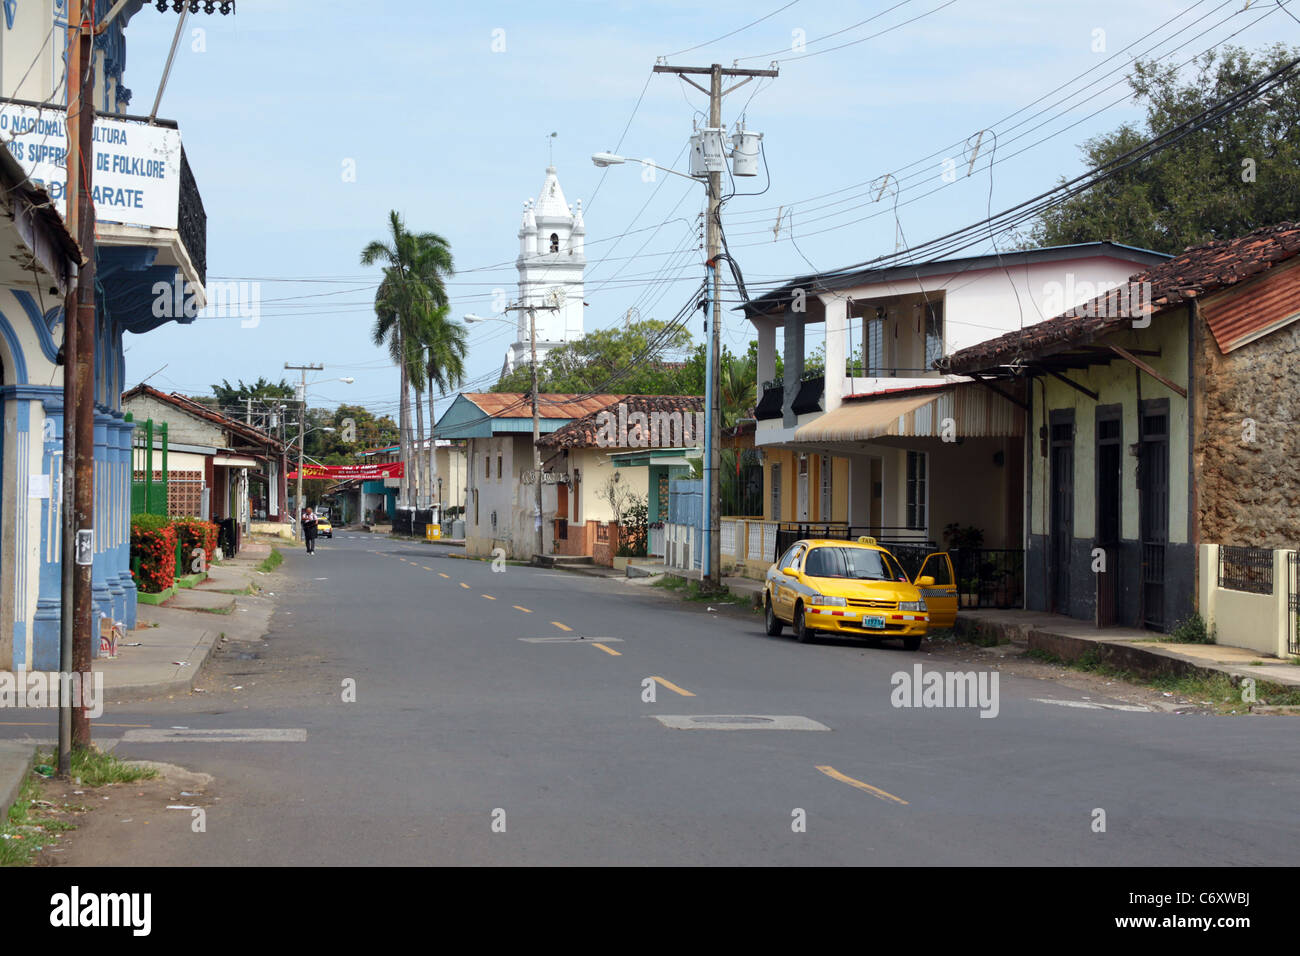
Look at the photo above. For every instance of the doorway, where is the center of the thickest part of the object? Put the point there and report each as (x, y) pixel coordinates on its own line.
(1153, 507)
(1110, 458)
(1061, 481)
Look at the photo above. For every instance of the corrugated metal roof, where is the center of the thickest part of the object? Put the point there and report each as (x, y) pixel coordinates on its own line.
(557, 405)
(1267, 304)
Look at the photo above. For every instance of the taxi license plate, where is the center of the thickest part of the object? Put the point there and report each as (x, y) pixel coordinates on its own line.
(873, 622)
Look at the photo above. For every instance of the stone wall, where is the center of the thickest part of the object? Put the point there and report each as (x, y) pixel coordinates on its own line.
(1247, 441)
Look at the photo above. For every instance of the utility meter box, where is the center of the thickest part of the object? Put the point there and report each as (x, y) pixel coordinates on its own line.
(745, 147)
(708, 154)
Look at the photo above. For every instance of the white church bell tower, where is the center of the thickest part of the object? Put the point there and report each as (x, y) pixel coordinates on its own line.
(551, 264)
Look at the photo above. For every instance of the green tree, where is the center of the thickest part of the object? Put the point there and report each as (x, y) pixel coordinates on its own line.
(640, 354)
(1238, 174)
(410, 304)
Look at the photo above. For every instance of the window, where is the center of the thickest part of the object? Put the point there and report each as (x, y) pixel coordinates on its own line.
(933, 333)
(776, 492)
(860, 564)
(917, 490)
(476, 522)
(555, 242)
(791, 557)
(499, 472)
(875, 348)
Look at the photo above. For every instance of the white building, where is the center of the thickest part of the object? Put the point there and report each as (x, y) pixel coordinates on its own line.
(551, 264)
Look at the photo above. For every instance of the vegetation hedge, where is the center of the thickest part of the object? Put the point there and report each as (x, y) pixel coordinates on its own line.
(153, 552)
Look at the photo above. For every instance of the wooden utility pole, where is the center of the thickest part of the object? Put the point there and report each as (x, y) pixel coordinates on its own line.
(538, 546)
(713, 415)
(302, 439)
(79, 381)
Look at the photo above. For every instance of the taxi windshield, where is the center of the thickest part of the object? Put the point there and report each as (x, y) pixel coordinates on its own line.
(861, 564)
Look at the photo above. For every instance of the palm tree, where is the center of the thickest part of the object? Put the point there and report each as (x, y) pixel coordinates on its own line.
(444, 366)
(411, 291)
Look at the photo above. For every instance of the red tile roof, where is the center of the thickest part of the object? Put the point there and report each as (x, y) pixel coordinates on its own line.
(1199, 271)
(199, 410)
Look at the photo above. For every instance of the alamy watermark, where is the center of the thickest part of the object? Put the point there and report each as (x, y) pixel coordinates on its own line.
(1120, 300)
(638, 429)
(53, 689)
(946, 689)
(225, 300)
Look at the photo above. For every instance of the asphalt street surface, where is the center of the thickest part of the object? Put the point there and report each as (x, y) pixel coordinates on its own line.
(500, 718)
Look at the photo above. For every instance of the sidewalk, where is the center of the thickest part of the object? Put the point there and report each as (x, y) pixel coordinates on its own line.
(1131, 648)
(162, 656)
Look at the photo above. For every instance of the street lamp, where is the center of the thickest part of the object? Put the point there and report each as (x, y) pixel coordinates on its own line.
(605, 160)
(302, 420)
(471, 318)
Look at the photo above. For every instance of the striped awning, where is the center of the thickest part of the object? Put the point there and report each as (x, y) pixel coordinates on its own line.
(974, 411)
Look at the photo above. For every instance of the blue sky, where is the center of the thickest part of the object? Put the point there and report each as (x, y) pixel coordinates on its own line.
(274, 101)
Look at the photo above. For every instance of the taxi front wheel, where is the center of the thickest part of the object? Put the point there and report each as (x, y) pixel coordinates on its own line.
(912, 643)
(802, 633)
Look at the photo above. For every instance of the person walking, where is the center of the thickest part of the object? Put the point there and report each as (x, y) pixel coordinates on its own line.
(309, 528)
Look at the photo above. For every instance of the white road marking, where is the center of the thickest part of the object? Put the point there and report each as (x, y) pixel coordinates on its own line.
(235, 735)
(738, 722)
(570, 640)
(1090, 705)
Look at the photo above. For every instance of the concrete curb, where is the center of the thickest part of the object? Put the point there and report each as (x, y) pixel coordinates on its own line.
(17, 757)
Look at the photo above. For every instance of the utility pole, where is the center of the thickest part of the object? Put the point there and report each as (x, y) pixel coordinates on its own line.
(537, 424)
(76, 618)
(302, 431)
(713, 415)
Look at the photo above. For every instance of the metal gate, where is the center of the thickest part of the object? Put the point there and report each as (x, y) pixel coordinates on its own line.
(1153, 509)
(1062, 527)
(1293, 603)
(149, 478)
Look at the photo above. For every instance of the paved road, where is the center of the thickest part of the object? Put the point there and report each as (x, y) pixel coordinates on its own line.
(459, 716)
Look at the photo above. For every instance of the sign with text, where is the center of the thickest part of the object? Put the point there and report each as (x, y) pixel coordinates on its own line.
(137, 174)
(371, 472)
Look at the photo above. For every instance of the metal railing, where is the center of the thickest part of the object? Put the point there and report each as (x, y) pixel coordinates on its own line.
(192, 220)
(1246, 569)
(989, 577)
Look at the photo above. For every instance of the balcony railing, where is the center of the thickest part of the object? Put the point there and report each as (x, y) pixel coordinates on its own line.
(192, 221)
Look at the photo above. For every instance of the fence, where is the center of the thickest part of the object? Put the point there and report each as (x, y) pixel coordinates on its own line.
(148, 483)
(989, 577)
(1248, 597)
(741, 482)
(1246, 569)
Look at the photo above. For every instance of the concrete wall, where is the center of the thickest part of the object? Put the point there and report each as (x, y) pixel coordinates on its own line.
(1243, 619)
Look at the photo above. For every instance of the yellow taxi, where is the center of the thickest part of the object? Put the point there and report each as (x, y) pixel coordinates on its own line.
(324, 526)
(857, 589)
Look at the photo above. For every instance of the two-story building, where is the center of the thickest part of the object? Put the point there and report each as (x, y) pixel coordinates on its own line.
(877, 441)
(150, 235)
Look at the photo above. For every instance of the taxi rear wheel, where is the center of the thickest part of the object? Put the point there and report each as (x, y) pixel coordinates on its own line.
(774, 624)
(802, 633)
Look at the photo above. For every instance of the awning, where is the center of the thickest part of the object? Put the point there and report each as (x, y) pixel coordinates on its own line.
(234, 461)
(863, 421)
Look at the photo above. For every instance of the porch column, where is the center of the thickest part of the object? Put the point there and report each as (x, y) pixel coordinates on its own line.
(793, 368)
(837, 312)
(100, 585)
(766, 353)
(123, 563)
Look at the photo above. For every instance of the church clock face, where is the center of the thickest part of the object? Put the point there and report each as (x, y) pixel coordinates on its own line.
(555, 296)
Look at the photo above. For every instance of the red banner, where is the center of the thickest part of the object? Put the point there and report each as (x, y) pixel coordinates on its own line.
(371, 472)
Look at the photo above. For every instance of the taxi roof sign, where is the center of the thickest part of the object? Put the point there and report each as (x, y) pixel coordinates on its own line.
(866, 539)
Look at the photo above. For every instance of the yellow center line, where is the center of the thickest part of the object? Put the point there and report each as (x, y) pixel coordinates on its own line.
(426, 567)
(563, 627)
(489, 597)
(607, 650)
(672, 687)
(874, 791)
(518, 608)
(442, 574)
(464, 585)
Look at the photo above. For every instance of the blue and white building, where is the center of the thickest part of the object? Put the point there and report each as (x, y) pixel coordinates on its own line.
(151, 234)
